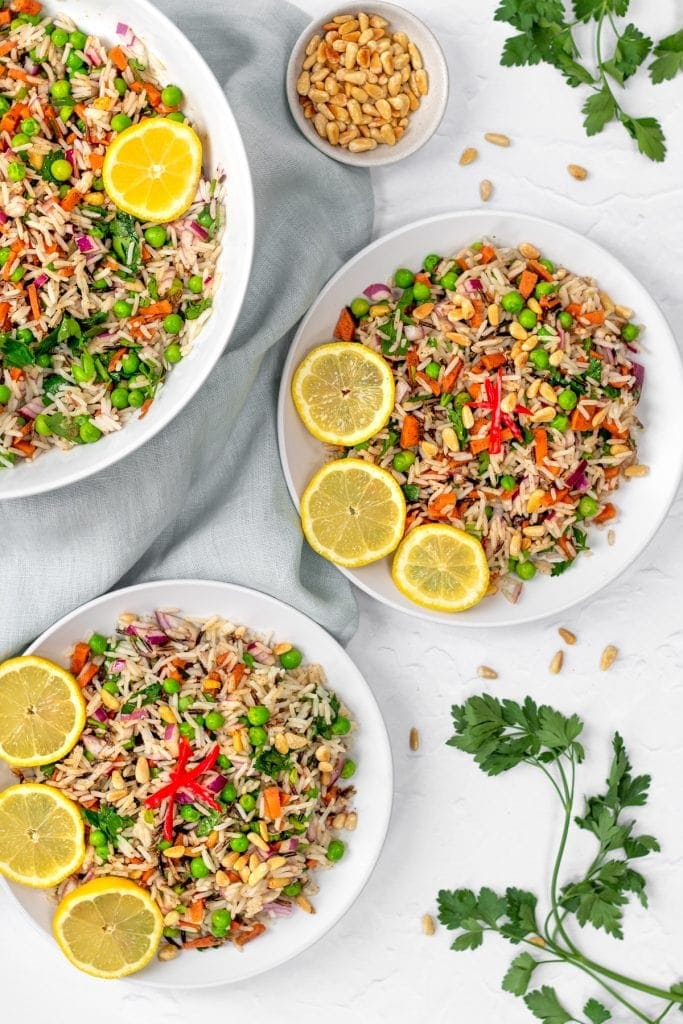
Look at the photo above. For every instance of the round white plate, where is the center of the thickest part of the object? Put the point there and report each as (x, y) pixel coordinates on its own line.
(339, 887)
(210, 112)
(642, 503)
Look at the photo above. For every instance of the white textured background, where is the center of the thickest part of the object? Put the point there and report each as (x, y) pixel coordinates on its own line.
(451, 825)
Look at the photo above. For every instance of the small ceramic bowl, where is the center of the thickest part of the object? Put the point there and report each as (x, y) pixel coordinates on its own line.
(422, 123)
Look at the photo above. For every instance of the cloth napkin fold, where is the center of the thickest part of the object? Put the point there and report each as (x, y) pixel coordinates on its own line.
(206, 497)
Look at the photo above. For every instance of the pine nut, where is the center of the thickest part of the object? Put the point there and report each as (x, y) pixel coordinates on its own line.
(257, 841)
(260, 873)
(497, 138)
(567, 636)
(303, 84)
(515, 545)
(556, 357)
(277, 882)
(276, 862)
(326, 766)
(142, 770)
(534, 501)
(110, 701)
(544, 415)
(351, 822)
(295, 742)
(222, 879)
(414, 739)
(636, 470)
(304, 904)
(577, 171)
(322, 753)
(467, 417)
(428, 926)
(428, 449)
(556, 663)
(339, 821)
(600, 417)
(468, 156)
(493, 314)
(509, 402)
(517, 331)
(171, 919)
(534, 306)
(281, 744)
(486, 672)
(529, 251)
(485, 190)
(534, 532)
(230, 859)
(175, 852)
(168, 952)
(608, 657)
(362, 145)
(450, 439)
(547, 393)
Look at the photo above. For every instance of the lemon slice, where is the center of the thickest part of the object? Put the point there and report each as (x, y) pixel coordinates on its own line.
(353, 512)
(151, 170)
(442, 568)
(343, 392)
(109, 927)
(41, 835)
(42, 711)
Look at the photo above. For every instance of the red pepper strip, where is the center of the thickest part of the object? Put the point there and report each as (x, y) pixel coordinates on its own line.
(523, 410)
(184, 755)
(204, 795)
(510, 423)
(180, 779)
(495, 395)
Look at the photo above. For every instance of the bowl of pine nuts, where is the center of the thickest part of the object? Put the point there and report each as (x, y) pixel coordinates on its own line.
(367, 84)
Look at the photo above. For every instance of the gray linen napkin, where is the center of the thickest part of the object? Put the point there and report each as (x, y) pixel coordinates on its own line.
(206, 498)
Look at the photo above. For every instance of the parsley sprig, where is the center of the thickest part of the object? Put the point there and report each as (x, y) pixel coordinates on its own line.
(501, 736)
(545, 35)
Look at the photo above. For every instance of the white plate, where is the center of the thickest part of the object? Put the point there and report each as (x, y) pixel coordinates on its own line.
(210, 112)
(339, 887)
(643, 503)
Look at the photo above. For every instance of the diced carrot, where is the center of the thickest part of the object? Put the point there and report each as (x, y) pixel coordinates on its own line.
(478, 318)
(9, 43)
(346, 326)
(96, 161)
(410, 431)
(237, 672)
(146, 875)
(79, 658)
(67, 272)
(120, 352)
(615, 431)
(475, 390)
(579, 421)
(541, 444)
(19, 75)
(438, 505)
(33, 299)
(596, 316)
(118, 58)
(608, 512)
(145, 407)
(462, 263)
(565, 547)
(479, 444)
(195, 913)
(152, 312)
(16, 374)
(488, 253)
(87, 674)
(25, 447)
(412, 360)
(26, 6)
(449, 379)
(71, 200)
(4, 315)
(548, 498)
(153, 94)
(612, 472)
(549, 301)
(271, 802)
(233, 876)
(539, 269)
(527, 283)
(493, 360)
(433, 385)
(135, 86)
(204, 942)
(423, 278)
(253, 933)
(574, 308)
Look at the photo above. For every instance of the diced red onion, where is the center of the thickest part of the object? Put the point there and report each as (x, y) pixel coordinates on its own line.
(93, 58)
(474, 285)
(577, 481)
(100, 714)
(414, 332)
(184, 798)
(31, 67)
(261, 653)
(175, 627)
(84, 243)
(639, 373)
(69, 154)
(199, 231)
(216, 785)
(156, 639)
(289, 845)
(279, 908)
(137, 715)
(118, 665)
(511, 592)
(32, 408)
(337, 771)
(126, 33)
(169, 732)
(41, 280)
(93, 744)
(377, 292)
(3, 217)
(560, 334)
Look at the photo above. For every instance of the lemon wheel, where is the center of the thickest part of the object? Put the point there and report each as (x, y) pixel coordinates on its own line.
(441, 568)
(41, 835)
(42, 711)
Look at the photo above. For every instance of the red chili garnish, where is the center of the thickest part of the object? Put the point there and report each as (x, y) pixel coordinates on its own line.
(494, 393)
(184, 779)
(522, 409)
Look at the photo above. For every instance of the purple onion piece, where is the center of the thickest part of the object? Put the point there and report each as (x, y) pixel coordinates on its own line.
(216, 785)
(413, 332)
(32, 408)
(199, 231)
(377, 292)
(474, 285)
(576, 478)
(639, 373)
(118, 665)
(136, 716)
(169, 732)
(289, 845)
(100, 714)
(279, 908)
(41, 280)
(176, 627)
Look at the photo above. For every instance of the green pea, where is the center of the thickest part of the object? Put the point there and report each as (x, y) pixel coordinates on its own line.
(61, 89)
(548, 264)
(171, 686)
(433, 370)
(341, 726)
(184, 703)
(136, 398)
(220, 919)
(78, 39)
(258, 715)
(44, 360)
(89, 433)
(19, 140)
(293, 889)
(587, 507)
(630, 332)
(247, 802)
(120, 122)
(173, 324)
(540, 358)
(29, 126)
(97, 643)
(421, 291)
(74, 62)
(17, 274)
(223, 762)
(359, 307)
(171, 96)
(349, 769)
(176, 115)
(431, 262)
(512, 302)
(24, 334)
(60, 37)
(5, 254)
(507, 482)
(65, 113)
(199, 720)
(189, 813)
(186, 730)
(449, 280)
(402, 461)
(257, 736)
(173, 353)
(121, 86)
(4, 105)
(97, 837)
(164, 844)
(110, 686)
(228, 793)
(61, 170)
(130, 363)
(525, 570)
(119, 398)
(291, 658)
(565, 319)
(5, 394)
(214, 721)
(205, 220)
(544, 288)
(155, 236)
(335, 850)
(567, 399)
(196, 285)
(16, 171)
(240, 844)
(528, 319)
(403, 278)
(198, 868)
(560, 423)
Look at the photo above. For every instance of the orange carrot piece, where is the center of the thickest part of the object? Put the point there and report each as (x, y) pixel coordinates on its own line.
(549, 301)
(462, 263)
(488, 253)
(423, 279)
(346, 326)
(237, 672)
(204, 942)
(145, 407)
(574, 308)
(438, 506)
(4, 314)
(548, 498)
(33, 299)
(478, 318)
(195, 913)
(26, 6)
(153, 94)
(96, 161)
(253, 933)
(449, 379)
(19, 75)
(541, 443)
(479, 444)
(539, 269)
(615, 431)
(475, 390)
(118, 58)
(153, 312)
(612, 472)
(271, 802)
(120, 352)
(596, 316)
(410, 431)
(527, 282)
(433, 385)
(25, 447)
(9, 43)
(579, 421)
(79, 658)
(87, 674)
(565, 547)
(71, 200)
(608, 512)
(493, 360)
(16, 374)
(412, 360)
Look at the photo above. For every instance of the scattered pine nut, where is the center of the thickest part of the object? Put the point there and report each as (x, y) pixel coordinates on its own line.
(497, 138)
(567, 636)
(577, 171)
(485, 190)
(168, 952)
(428, 926)
(637, 470)
(608, 657)
(556, 663)
(485, 672)
(468, 156)
(414, 739)
(304, 904)
(611, 537)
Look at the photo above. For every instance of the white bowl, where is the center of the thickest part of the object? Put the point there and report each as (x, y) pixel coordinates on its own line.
(423, 122)
(209, 110)
(340, 887)
(642, 503)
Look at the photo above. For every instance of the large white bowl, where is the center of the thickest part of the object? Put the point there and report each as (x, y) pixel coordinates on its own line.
(340, 887)
(211, 114)
(642, 503)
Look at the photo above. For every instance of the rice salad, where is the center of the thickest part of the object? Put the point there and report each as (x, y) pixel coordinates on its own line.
(95, 306)
(213, 771)
(515, 419)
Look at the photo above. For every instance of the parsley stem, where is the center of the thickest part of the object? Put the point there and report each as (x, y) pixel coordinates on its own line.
(663, 1015)
(568, 806)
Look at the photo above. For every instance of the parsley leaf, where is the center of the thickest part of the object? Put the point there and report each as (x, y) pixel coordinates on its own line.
(518, 977)
(545, 1005)
(125, 242)
(669, 54)
(599, 110)
(147, 696)
(271, 763)
(108, 821)
(648, 133)
(560, 567)
(596, 1012)
(15, 353)
(519, 51)
(631, 50)
(61, 426)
